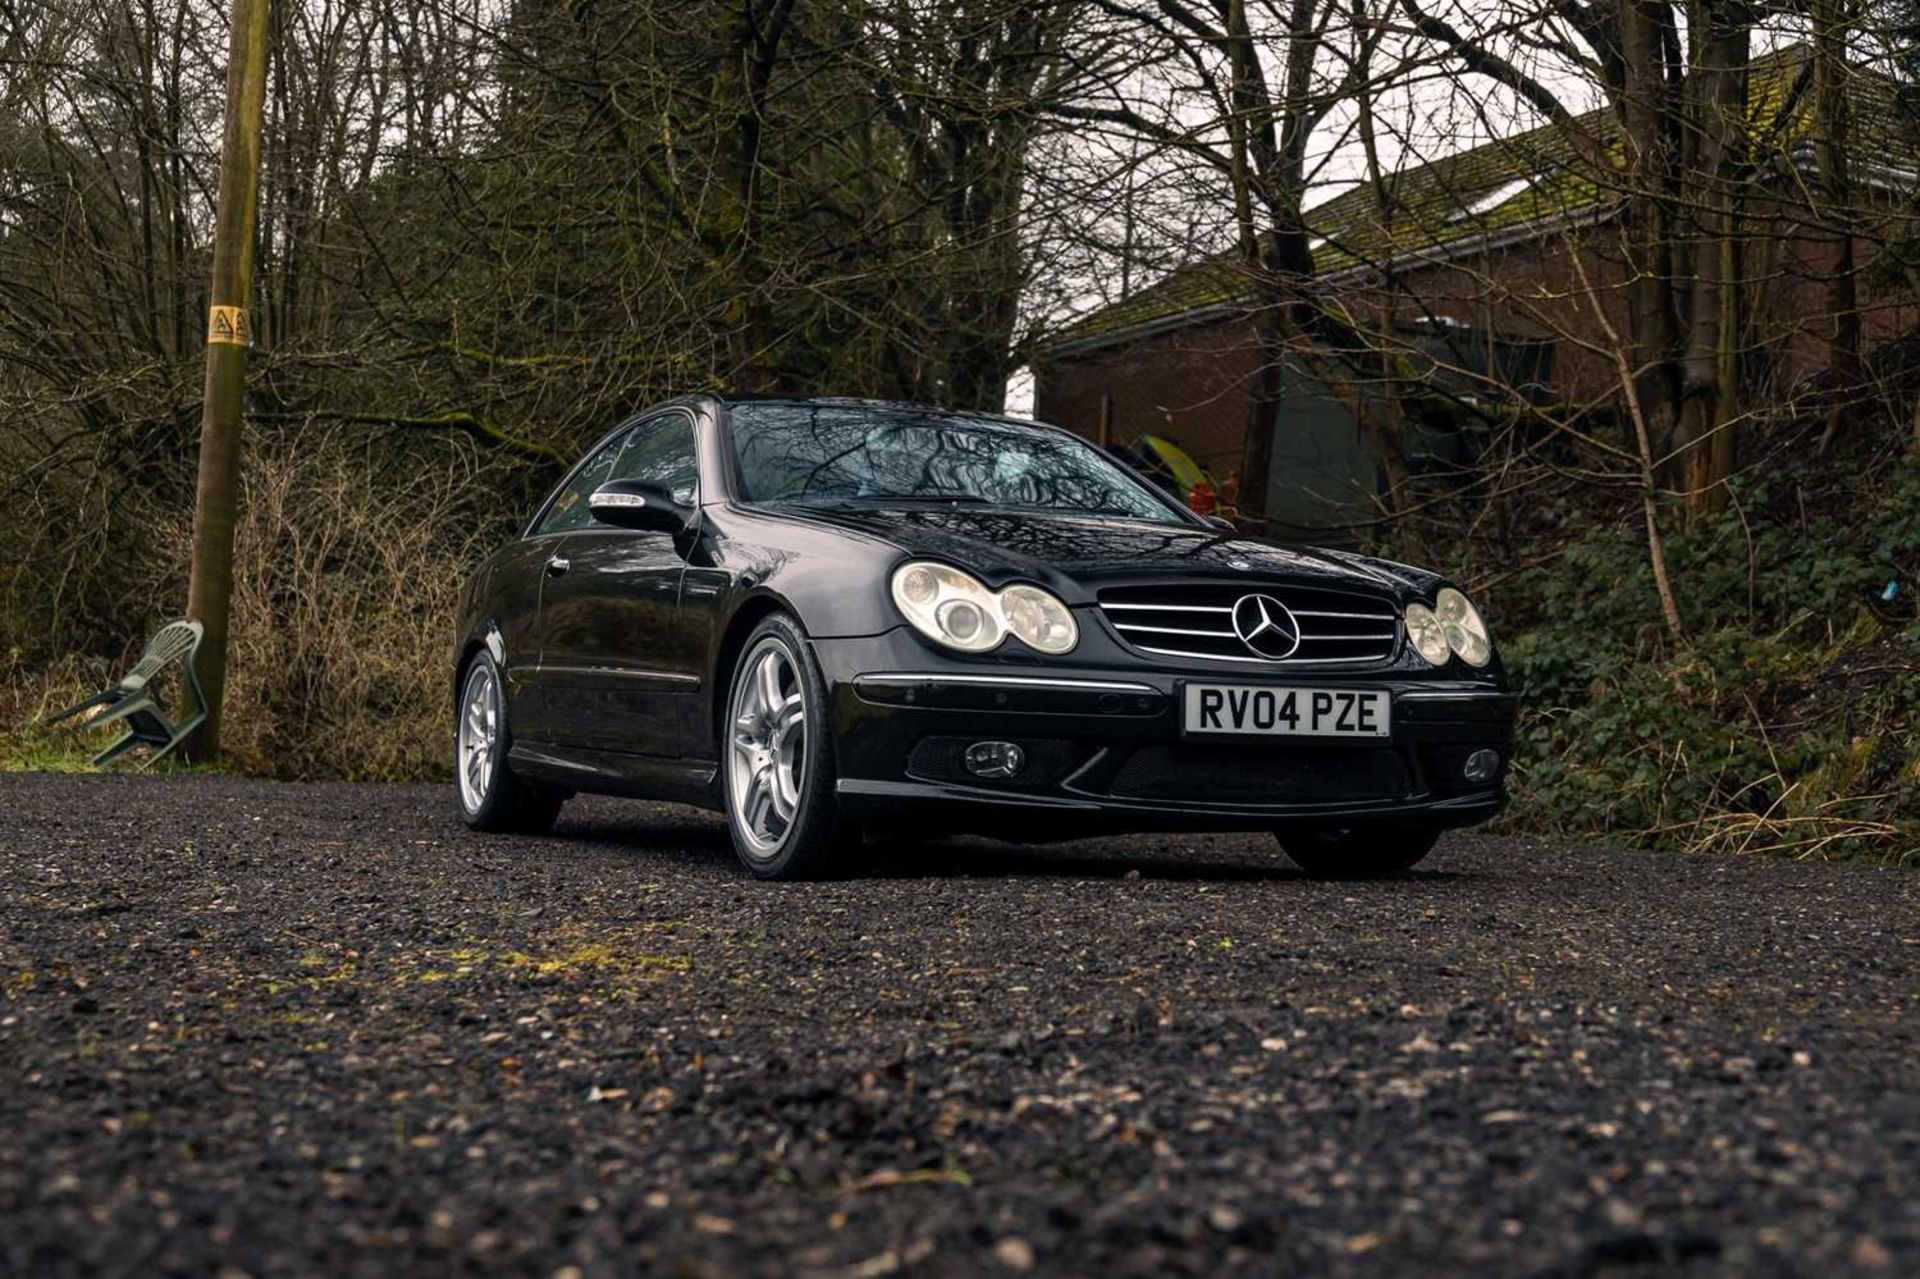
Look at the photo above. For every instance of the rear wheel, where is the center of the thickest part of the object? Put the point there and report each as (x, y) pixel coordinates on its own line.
(1362, 851)
(492, 797)
(778, 771)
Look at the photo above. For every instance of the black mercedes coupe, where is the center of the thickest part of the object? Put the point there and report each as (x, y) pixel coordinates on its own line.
(833, 619)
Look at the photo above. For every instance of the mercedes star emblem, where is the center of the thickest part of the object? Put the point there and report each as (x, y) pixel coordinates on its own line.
(1266, 626)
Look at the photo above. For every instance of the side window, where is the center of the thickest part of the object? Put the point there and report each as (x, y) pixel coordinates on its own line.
(569, 509)
(662, 452)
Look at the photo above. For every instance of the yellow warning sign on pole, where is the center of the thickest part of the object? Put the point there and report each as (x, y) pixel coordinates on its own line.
(228, 324)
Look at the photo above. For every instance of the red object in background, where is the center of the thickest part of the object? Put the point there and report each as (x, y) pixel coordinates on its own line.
(1200, 498)
(1230, 494)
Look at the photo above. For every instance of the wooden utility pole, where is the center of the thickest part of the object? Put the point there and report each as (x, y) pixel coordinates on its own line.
(229, 330)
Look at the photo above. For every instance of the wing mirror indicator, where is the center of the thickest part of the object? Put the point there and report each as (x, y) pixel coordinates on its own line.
(637, 504)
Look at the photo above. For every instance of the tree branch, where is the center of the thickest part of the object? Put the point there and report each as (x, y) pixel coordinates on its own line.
(1480, 60)
(481, 428)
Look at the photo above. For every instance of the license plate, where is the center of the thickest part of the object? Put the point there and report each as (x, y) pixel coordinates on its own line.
(1263, 710)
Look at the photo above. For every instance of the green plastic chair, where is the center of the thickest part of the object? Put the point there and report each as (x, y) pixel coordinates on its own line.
(131, 699)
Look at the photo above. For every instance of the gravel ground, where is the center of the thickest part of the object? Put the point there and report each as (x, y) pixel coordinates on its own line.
(324, 1029)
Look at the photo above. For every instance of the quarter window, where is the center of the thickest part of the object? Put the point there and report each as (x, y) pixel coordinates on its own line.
(568, 510)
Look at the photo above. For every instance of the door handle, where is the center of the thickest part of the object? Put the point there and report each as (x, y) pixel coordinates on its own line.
(558, 565)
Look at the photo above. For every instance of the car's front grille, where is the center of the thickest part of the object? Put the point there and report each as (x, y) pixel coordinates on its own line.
(1195, 619)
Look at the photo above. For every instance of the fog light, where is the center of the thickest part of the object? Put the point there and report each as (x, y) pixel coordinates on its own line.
(994, 759)
(1481, 766)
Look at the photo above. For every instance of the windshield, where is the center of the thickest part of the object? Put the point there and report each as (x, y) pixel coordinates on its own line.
(824, 453)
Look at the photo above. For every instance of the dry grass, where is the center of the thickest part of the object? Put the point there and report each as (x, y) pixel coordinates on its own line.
(1826, 831)
(26, 697)
(1825, 813)
(346, 590)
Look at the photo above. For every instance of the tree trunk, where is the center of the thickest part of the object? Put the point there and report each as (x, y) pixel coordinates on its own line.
(1386, 427)
(753, 49)
(1269, 172)
(987, 147)
(1710, 389)
(1843, 304)
(1646, 110)
(1263, 412)
(1728, 404)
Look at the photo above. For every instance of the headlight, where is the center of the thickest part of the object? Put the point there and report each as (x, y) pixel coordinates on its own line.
(1466, 633)
(948, 605)
(1428, 637)
(1039, 619)
(955, 609)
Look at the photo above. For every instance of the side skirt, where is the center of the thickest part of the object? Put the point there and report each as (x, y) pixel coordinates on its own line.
(680, 781)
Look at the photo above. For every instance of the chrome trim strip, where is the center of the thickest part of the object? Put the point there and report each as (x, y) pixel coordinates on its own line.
(619, 672)
(1370, 635)
(1176, 608)
(1368, 617)
(1023, 681)
(1266, 661)
(1172, 630)
(534, 755)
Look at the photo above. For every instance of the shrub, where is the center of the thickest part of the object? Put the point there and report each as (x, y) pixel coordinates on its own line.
(1782, 724)
(346, 585)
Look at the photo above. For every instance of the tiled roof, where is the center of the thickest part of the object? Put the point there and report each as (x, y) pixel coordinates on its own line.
(1517, 184)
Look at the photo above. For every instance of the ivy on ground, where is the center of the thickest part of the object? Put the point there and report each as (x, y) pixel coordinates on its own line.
(1783, 723)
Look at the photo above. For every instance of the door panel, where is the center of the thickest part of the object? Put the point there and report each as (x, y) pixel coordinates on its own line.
(606, 667)
(538, 717)
(614, 663)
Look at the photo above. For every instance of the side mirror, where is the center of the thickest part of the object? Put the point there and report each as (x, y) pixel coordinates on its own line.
(637, 504)
(1220, 522)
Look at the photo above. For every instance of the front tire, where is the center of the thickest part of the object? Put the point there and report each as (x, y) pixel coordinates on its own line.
(777, 765)
(1365, 850)
(492, 797)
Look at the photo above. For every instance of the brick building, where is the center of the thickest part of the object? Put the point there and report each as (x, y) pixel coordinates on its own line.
(1486, 272)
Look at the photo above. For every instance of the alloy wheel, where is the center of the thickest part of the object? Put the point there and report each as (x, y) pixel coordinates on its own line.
(767, 762)
(479, 735)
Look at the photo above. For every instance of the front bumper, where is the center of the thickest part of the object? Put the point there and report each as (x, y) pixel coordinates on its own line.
(1105, 750)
